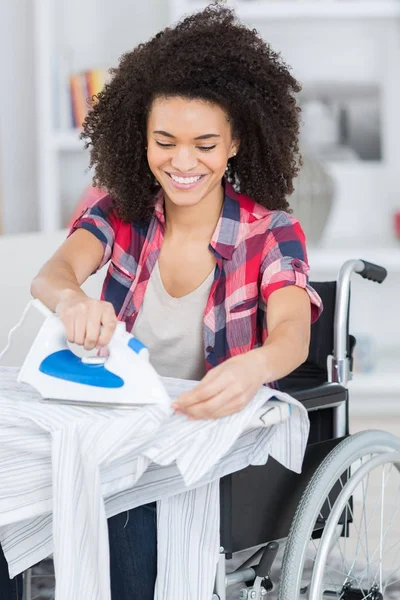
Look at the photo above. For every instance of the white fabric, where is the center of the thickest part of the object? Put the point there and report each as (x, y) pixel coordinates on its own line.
(58, 463)
(172, 328)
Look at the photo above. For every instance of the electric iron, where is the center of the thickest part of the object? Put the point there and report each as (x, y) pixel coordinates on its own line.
(124, 379)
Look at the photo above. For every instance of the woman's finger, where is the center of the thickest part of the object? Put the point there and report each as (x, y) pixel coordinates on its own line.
(201, 393)
(68, 323)
(224, 403)
(106, 333)
(80, 328)
(109, 323)
(229, 409)
(92, 330)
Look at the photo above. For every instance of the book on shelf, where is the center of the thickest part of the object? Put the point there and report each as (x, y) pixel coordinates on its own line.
(84, 88)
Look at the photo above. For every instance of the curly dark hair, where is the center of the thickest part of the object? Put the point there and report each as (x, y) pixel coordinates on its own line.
(213, 57)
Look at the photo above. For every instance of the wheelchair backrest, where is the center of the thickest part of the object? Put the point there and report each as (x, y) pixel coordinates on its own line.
(314, 371)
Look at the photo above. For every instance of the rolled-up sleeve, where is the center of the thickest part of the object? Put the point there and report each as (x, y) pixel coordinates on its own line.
(101, 220)
(285, 261)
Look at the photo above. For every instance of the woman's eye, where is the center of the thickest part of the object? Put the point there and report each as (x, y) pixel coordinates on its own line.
(202, 148)
(163, 145)
(206, 148)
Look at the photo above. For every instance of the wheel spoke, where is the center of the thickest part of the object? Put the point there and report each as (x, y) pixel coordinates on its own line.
(372, 572)
(371, 521)
(381, 538)
(355, 492)
(394, 570)
(364, 516)
(388, 527)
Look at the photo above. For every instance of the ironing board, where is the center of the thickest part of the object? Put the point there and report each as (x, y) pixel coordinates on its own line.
(65, 469)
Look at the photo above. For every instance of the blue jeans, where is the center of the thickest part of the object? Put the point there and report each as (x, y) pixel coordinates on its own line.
(133, 553)
(133, 557)
(10, 589)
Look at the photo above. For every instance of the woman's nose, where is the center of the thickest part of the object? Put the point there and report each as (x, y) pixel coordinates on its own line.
(183, 159)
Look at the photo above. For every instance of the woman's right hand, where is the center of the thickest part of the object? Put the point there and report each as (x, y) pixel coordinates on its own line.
(88, 322)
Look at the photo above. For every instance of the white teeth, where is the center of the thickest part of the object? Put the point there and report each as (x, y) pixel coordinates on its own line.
(184, 179)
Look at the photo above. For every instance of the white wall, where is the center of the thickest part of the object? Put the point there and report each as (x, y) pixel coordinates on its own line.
(352, 51)
(342, 50)
(356, 52)
(118, 27)
(96, 32)
(17, 109)
(367, 194)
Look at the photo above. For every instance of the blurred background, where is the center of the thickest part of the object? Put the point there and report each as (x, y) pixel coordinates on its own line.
(346, 53)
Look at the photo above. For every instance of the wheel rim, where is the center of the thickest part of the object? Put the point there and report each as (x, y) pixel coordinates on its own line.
(366, 564)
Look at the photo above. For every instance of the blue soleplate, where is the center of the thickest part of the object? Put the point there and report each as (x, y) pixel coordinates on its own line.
(65, 365)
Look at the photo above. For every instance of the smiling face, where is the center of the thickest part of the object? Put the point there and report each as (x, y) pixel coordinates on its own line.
(189, 143)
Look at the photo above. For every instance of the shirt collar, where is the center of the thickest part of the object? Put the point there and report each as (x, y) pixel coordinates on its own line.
(225, 236)
(159, 207)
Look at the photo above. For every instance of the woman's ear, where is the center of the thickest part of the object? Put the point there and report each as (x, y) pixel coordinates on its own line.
(234, 149)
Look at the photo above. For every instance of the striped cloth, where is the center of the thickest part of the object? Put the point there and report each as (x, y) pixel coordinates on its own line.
(65, 469)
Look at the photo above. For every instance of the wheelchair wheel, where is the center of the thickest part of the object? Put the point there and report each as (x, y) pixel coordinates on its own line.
(344, 541)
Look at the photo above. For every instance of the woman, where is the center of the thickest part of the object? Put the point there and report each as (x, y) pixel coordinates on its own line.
(194, 141)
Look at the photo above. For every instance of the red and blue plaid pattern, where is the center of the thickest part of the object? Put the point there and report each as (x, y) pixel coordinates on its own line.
(257, 251)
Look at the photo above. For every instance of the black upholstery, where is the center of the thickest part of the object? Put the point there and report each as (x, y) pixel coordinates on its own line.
(321, 396)
(258, 503)
(314, 371)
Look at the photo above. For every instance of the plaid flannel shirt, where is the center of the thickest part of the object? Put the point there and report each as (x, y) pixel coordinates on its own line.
(257, 251)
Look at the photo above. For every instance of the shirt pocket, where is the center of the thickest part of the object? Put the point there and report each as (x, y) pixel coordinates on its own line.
(119, 273)
(246, 305)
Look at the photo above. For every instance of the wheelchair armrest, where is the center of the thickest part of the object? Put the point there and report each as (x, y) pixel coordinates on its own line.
(321, 396)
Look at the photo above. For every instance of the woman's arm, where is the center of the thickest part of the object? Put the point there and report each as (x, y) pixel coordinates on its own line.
(289, 328)
(63, 274)
(87, 321)
(227, 388)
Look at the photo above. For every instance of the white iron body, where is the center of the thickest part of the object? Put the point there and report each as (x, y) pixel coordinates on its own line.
(76, 380)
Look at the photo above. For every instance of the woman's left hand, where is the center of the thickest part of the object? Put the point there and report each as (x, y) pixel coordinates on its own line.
(225, 389)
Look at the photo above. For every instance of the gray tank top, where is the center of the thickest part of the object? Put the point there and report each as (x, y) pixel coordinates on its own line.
(172, 328)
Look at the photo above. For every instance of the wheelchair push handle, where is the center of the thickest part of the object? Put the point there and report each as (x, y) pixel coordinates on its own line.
(339, 362)
(372, 272)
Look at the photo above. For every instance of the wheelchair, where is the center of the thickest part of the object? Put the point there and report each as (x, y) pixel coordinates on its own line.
(307, 533)
(310, 531)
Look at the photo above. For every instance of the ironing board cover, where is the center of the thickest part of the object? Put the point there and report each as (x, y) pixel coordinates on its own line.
(65, 469)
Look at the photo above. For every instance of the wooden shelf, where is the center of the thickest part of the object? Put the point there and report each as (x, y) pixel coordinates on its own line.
(310, 9)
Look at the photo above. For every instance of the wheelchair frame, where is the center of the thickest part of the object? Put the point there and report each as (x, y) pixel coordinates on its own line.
(339, 373)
